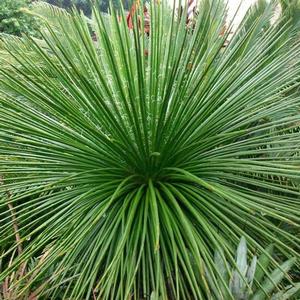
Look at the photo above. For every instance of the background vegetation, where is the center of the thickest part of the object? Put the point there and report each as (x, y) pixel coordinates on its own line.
(14, 17)
(13, 20)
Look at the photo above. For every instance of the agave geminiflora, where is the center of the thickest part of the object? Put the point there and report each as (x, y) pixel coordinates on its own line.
(129, 170)
(248, 282)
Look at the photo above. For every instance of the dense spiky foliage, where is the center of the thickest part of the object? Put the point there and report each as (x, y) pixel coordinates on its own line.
(292, 10)
(128, 160)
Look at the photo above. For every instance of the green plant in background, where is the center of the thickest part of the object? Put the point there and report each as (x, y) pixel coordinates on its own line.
(129, 170)
(291, 9)
(13, 20)
(249, 282)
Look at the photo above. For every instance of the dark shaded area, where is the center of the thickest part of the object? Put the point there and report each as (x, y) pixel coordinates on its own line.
(85, 5)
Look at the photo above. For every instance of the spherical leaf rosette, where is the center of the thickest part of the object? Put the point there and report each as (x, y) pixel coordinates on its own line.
(129, 158)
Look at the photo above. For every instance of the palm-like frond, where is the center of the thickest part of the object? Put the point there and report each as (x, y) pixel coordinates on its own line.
(131, 169)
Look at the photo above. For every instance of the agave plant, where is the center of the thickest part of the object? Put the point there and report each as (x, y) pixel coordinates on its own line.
(130, 167)
(249, 282)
